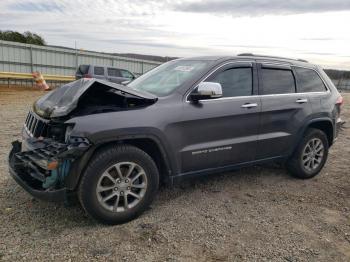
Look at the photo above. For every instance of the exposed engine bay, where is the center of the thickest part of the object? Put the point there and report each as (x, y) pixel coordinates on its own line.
(79, 98)
(90, 96)
(100, 98)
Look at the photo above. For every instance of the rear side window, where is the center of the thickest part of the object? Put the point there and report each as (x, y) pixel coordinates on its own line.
(113, 72)
(126, 74)
(309, 81)
(234, 81)
(277, 81)
(99, 70)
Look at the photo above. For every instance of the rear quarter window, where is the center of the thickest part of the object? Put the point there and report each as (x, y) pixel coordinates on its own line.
(309, 81)
(99, 70)
(277, 81)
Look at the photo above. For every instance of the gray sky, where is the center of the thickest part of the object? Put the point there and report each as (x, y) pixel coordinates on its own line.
(316, 30)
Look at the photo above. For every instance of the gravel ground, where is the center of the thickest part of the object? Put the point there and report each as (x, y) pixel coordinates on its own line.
(258, 213)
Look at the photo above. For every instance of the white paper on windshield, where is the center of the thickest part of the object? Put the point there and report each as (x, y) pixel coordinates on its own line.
(184, 68)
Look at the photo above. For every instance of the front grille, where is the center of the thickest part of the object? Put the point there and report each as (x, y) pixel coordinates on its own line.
(35, 126)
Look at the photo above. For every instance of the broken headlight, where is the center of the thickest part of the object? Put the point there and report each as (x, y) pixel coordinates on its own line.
(69, 130)
(56, 131)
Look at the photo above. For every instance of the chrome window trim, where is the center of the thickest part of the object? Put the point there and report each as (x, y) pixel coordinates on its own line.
(259, 96)
(226, 98)
(212, 72)
(256, 96)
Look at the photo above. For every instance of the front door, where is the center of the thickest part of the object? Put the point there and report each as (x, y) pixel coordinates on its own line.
(224, 131)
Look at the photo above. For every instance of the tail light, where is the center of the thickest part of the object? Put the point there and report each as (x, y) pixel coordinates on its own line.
(87, 76)
(340, 101)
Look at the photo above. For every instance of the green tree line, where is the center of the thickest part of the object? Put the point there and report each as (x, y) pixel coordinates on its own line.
(26, 37)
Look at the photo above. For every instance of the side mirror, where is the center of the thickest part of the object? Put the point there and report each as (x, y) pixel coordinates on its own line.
(206, 90)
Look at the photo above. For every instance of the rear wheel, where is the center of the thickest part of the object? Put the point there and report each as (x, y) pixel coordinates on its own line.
(310, 155)
(118, 184)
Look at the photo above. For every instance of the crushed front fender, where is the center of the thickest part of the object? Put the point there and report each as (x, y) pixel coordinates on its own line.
(42, 171)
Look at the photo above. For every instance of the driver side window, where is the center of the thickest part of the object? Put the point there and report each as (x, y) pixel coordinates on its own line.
(234, 81)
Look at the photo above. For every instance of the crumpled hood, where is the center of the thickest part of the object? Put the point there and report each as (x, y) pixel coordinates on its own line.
(64, 99)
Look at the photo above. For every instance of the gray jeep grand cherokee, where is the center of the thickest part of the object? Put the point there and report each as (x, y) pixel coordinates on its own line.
(113, 144)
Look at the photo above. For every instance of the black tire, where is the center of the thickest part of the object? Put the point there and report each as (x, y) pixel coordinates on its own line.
(295, 164)
(92, 177)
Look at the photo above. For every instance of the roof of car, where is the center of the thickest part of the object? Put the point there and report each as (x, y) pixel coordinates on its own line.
(260, 58)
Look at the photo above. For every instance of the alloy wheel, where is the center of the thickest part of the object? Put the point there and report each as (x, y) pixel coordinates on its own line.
(312, 155)
(121, 186)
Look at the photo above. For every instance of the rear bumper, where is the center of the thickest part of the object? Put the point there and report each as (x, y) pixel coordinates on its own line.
(338, 126)
(27, 182)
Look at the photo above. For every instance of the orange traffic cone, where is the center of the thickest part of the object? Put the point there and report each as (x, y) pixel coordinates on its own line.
(40, 81)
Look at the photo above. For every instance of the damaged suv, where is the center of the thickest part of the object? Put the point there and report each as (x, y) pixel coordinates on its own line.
(112, 145)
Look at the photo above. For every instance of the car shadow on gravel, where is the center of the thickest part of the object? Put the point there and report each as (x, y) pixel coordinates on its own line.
(249, 178)
(71, 215)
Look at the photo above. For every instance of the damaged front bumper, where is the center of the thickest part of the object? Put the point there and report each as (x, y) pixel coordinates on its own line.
(43, 169)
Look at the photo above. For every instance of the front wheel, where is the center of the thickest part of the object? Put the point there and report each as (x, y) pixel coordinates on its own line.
(119, 184)
(310, 155)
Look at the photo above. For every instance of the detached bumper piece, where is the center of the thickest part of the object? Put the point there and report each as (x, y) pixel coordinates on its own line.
(42, 171)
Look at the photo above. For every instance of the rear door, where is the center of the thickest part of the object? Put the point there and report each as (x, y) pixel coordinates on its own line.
(222, 132)
(283, 110)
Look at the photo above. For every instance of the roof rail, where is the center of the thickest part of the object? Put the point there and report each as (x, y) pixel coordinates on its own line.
(267, 56)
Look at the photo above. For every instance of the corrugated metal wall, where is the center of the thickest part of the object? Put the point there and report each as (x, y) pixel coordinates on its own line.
(342, 84)
(25, 58)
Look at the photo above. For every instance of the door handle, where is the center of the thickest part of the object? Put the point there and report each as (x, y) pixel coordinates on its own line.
(301, 100)
(249, 105)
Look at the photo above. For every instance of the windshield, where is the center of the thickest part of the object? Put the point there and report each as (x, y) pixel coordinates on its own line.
(165, 78)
